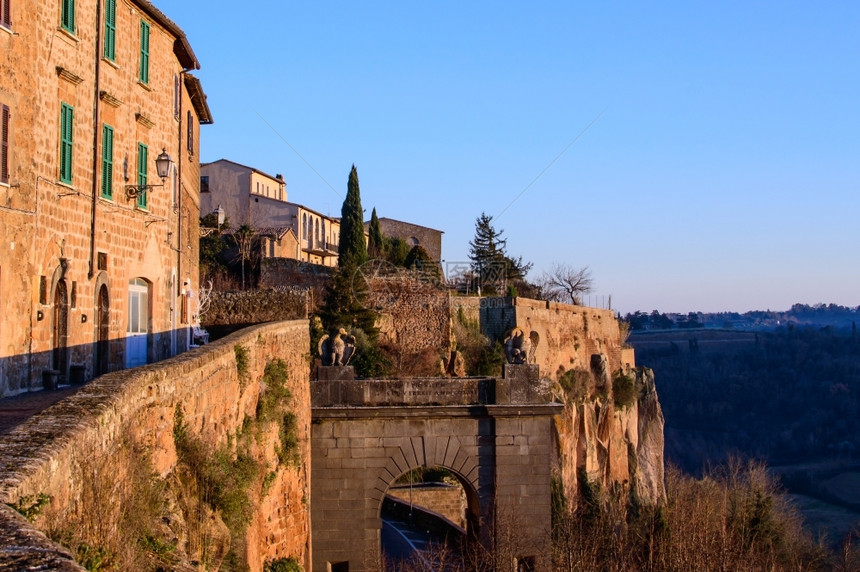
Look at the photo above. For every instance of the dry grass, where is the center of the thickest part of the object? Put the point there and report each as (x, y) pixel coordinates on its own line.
(734, 518)
(116, 522)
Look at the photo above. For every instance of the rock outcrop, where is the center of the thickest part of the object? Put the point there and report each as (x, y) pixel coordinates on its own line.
(612, 427)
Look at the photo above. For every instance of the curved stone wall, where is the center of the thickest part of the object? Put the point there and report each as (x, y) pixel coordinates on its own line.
(44, 455)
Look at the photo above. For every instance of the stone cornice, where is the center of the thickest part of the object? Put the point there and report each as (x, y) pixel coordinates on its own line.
(144, 120)
(109, 99)
(69, 76)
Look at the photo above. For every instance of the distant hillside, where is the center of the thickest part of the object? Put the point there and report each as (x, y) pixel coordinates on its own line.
(786, 395)
(820, 315)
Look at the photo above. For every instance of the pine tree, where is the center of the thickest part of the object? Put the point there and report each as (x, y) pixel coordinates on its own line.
(352, 250)
(486, 249)
(375, 241)
(490, 261)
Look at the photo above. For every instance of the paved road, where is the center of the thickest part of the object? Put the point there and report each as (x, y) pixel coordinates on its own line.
(16, 410)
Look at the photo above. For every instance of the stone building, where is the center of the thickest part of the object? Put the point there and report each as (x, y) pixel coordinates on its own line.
(99, 265)
(429, 239)
(246, 195)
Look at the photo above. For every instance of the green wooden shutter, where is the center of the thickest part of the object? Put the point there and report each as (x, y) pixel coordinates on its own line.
(5, 13)
(142, 153)
(107, 162)
(144, 52)
(4, 144)
(68, 15)
(110, 30)
(67, 120)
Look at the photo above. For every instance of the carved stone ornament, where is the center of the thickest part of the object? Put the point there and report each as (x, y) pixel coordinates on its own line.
(337, 349)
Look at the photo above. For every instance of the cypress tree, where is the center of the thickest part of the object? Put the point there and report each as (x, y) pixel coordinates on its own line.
(352, 250)
(375, 241)
(346, 293)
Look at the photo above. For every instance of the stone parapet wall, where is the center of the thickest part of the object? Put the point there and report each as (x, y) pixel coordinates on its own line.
(467, 306)
(404, 392)
(47, 454)
(297, 275)
(414, 313)
(569, 335)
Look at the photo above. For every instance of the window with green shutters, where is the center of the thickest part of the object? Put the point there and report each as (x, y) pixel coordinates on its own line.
(5, 15)
(143, 76)
(67, 18)
(142, 153)
(4, 144)
(107, 162)
(110, 30)
(67, 121)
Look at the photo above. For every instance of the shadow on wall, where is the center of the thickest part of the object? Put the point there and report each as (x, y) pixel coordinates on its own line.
(77, 364)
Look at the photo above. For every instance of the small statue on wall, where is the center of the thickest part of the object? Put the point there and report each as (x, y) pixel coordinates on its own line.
(519, 348)
(336, 350)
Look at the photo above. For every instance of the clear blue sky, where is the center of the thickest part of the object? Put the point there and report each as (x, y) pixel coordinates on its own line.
(720, 171)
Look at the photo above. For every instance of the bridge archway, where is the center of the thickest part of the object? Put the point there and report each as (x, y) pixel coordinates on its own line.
(502, 455)
(429, 514)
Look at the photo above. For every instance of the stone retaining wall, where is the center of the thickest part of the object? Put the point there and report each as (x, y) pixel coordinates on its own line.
(289, 273)
(45, 455)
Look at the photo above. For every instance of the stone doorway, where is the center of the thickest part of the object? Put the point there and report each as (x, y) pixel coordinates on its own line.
(60, 354)
(102, 361)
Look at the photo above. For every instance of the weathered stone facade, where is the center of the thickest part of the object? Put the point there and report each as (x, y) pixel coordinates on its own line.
(251, 197)
(413, 312)
(235, 310)
(45, 455)
(427, 238)
(294, 274)
(82, 265)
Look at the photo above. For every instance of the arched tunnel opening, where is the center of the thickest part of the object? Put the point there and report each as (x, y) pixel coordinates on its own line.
(430, 518)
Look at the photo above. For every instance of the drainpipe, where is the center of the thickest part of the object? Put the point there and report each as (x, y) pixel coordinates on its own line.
(96, 116)
(179, 279)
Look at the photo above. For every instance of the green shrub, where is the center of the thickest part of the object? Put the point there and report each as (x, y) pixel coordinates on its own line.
(624, 389)
(288, 452)
(223, 478)
(241, 362)
(282, 565)
(268, 480)
(276, 394)
(369, 360)
(94, 559)
(575, 383)
(31, 506)
(490, 360)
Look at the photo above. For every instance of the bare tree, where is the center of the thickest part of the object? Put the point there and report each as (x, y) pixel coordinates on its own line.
(244, 237)
(565, 283)
(204, 299)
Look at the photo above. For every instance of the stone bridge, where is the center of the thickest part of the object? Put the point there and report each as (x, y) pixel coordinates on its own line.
(495, 435)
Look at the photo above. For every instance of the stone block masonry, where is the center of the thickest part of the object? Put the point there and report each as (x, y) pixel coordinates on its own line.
(44, 455)
(230, 311)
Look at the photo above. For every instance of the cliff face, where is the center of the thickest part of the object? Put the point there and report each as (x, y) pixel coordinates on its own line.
(612, 425)
(613, 443)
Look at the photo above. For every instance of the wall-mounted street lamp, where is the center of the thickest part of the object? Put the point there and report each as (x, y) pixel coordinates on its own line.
(162, 166)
